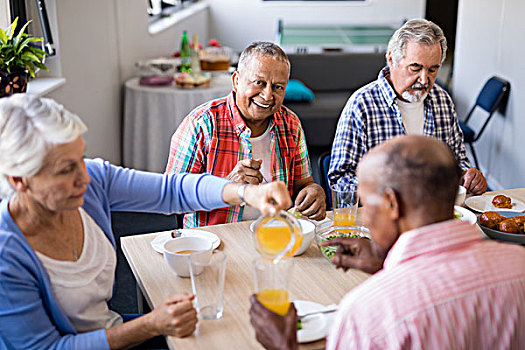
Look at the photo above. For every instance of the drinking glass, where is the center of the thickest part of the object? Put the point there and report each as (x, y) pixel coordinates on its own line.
(272, 281)
(207, 282)
(345, 202)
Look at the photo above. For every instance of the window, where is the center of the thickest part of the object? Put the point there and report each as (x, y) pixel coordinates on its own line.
(163, 8)
(37, 11)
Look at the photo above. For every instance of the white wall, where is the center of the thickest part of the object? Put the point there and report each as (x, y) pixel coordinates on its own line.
(89, 62)
(100, 41)
(489, 42)
(237, 23)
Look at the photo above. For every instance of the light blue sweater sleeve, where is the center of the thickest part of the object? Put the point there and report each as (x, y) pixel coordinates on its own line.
(133, 190)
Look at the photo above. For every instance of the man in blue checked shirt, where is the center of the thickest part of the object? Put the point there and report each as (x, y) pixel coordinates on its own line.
(403, 100)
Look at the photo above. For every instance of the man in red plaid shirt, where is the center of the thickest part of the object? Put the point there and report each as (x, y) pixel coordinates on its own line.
(249, 137)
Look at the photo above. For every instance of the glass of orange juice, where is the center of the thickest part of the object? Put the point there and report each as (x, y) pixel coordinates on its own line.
(344, 202)
(278, 236)
(272, 281)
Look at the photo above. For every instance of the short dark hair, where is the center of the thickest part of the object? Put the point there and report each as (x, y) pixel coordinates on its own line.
(419, 177)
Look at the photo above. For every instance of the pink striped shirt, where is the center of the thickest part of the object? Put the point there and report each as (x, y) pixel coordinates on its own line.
(442, 287)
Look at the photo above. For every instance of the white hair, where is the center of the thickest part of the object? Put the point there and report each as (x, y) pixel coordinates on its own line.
(420, 31)
(29, 127)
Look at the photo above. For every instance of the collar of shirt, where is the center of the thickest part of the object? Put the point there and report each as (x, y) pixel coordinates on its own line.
(386, 89)
(237, 120)
(434, 238)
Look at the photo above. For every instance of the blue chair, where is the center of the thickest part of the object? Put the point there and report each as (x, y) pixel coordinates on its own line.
(492, 97)
(324, 165)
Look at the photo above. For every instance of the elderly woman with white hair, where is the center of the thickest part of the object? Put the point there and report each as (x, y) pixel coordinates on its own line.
(57, 250)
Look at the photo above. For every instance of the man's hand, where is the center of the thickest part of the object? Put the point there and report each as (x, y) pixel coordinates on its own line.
(271, 330)
(310, 201)
(355, 253)
(474, 181)
(247, 172)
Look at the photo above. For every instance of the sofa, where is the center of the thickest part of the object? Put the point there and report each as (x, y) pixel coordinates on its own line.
(332, 77)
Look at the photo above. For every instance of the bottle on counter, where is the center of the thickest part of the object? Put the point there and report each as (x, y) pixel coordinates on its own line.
(185, 54)
(195, 55)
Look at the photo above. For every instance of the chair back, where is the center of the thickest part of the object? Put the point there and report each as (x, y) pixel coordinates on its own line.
(493, 94)
(492, 97)
(324, 165)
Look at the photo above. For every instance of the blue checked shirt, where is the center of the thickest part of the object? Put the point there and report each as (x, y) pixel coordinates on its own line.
(371, 116)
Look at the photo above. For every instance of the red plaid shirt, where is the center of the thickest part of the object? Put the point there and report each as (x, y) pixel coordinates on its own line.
(213, 138)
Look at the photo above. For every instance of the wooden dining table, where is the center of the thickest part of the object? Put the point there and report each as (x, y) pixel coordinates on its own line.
(314, 279)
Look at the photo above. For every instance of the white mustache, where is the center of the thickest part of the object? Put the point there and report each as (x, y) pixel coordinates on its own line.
(420, 86)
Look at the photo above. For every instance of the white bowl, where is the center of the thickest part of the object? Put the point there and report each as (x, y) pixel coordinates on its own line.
(460, 197)
(308, 229)
(180, 262)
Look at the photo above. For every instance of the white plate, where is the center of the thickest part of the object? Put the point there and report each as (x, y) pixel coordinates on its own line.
(484, 203)
(158, 242)
(307, 226)
(315, 327)
(466, 215)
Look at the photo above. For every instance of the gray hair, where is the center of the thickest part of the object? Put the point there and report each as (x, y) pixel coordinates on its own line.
(262, 49)
(419, 31)
(29, 127)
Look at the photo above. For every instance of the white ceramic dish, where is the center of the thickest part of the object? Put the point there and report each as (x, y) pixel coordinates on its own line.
(158, 242)
(484, 203)
(179, 263)
(314, 327)
(308, 228)
(466, 215)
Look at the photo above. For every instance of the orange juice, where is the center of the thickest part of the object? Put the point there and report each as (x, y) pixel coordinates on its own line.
(342, 220)
(275, 300)
(273, 240)
(345, 217)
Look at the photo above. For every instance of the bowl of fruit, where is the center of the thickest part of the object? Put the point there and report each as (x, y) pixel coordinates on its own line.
(326, 231)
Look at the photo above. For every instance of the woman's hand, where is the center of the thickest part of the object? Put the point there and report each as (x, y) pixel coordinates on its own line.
(176, 316)
(268, 198)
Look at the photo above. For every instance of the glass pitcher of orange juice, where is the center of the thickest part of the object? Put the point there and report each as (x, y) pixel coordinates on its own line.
(278, 236)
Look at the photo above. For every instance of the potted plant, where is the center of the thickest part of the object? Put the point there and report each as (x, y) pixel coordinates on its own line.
(19, 57)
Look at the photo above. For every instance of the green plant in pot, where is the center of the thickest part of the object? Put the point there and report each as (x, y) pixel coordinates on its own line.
(19, 57)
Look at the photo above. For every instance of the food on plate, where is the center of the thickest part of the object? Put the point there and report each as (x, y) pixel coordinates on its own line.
(191, 80)
(491, 219)
(457, 214)
(502, 201)
(520, 220)
(495, 221)
(509, 226)
(295, 212)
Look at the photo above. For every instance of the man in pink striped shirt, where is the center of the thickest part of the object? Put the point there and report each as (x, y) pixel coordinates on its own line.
(438, 284)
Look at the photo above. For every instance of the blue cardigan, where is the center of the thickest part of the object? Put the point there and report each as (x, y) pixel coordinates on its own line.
(30, 317)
